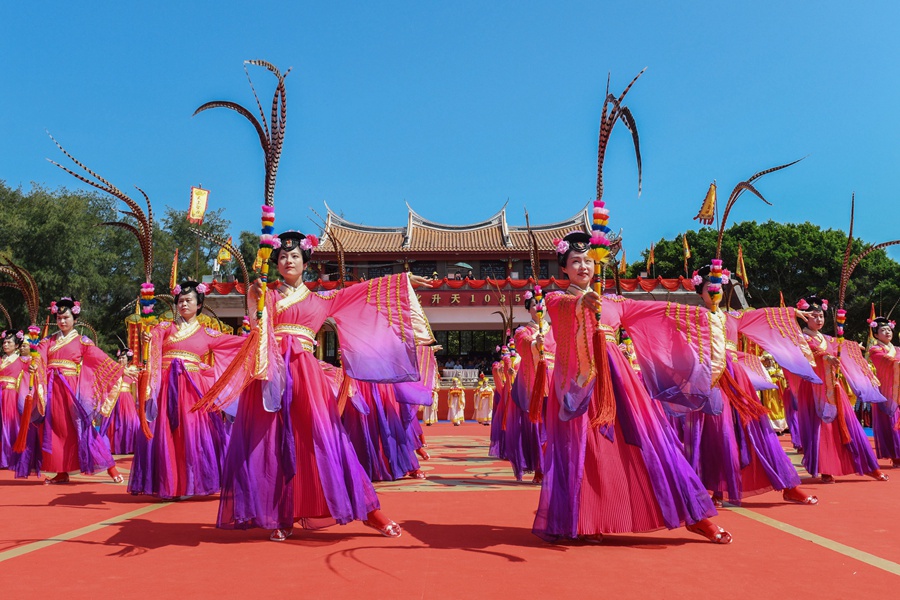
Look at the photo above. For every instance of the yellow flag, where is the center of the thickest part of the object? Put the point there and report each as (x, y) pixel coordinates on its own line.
(199, 198)
(224, 255)
(650, 259)
(687, 247)
(741, 269)
(173, 276)
(622, 265)
(708, 209)
(871, 320)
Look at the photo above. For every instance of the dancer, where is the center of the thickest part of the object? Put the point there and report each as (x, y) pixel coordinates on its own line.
(733, 447)
(430, 411)
(120, 422)
(833, 440)
(884, 357)
(13, 386)
(290, 460)
(456, 403)
(504, 371)
(484, 401)
(76, 377)
(184, 456)
(524, 437)
(612, 462)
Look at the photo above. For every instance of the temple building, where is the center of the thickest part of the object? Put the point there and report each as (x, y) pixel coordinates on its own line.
(478, 269)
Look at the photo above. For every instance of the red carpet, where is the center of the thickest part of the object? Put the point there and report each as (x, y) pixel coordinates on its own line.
(466, 534)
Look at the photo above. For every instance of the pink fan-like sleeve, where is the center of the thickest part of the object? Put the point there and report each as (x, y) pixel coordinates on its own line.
(776, 331)
(380, 324)
(887, 368)
(673, 348)
(858, 375)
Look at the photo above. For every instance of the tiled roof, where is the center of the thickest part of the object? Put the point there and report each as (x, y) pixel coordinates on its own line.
(422, 235)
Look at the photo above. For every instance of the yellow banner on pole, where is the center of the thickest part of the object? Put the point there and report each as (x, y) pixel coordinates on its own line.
(199, 199)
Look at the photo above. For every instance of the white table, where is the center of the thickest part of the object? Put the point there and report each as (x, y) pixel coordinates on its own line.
(463, 374)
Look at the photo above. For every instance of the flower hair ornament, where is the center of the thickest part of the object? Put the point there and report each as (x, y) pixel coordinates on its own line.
(562, 246)
(803, 304)
(696, 279)
(529, 295)
(202, 288)
(53, 308)
(309, 243)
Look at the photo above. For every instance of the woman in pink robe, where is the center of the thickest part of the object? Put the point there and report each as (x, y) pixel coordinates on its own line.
(120, 418)
(13, 375)
(290, 460)
(74, 378)
(524, 439)
(886, 360)
(184, 457)
(733, 447)
(833, 440)
(613, 463)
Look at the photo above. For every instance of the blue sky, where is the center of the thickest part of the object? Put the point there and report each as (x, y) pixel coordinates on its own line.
(457, 106)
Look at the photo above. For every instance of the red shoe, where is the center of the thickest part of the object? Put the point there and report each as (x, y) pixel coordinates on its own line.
(710, 531)
(795, 494)
(877, 475)
(391, 529)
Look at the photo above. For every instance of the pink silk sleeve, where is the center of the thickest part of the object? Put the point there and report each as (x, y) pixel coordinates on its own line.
(380, 324)
(776, 331)
(419, 392)
(672, 342)
(755, 371)
(99, 375)
(858, 375)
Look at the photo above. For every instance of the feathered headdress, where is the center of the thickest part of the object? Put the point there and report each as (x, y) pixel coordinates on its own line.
(848, 266)
(271, 138)
(739, 189)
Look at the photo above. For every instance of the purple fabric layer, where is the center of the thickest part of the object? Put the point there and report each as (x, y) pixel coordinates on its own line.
(257, 492)
(674, 486)
(522, 438)
(887, 437)
(62, 403)
(497, 447)
(125, 425)
(720, 447)
(29, 461)
(364, 431)
(184, 458)
(857, 455)
(9, 427)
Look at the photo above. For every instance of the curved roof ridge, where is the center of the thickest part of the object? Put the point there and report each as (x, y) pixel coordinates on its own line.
(498, 218)
(339, 221)
(581, 217)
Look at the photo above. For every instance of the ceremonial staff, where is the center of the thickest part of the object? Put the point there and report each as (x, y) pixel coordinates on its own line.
(147, 297)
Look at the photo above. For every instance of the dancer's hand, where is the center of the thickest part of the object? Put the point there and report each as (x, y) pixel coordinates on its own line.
(419, 281)
(804, 315)
(591, 301)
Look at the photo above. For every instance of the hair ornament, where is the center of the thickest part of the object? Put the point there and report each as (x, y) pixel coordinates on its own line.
(824, 305)
(802, 304)
(309, 243)
(202, 288)
(76, 307)
(696, 279)
(176, 290)
(562, 246)
(529, 295)
(21, 335)
(53, 308)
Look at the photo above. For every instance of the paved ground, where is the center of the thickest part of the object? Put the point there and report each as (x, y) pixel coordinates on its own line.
(466, 534)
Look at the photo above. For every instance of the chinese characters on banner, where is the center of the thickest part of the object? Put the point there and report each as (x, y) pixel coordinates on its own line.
(199, 198)
(468, 298)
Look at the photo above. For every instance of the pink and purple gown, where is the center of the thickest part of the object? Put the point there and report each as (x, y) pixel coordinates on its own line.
(290, 460)
(885, 415)
(121, 422)
(13, 378)
(630, 475)
(524, 439)
(184, 457)
(833, 440)
(735, 450)
(383, 438)
(504, 371)
(75, 378)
